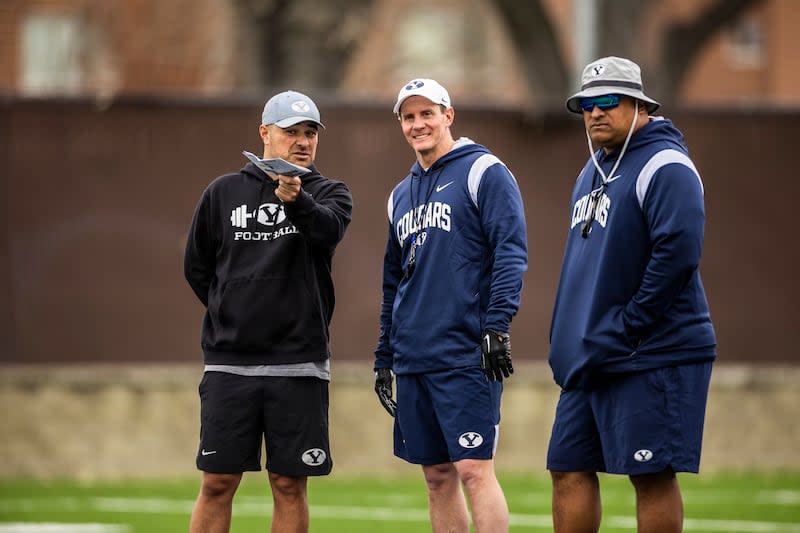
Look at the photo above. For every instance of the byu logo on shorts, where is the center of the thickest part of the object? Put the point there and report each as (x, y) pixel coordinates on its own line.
(643, 455)
(470, 439)
(314, 457)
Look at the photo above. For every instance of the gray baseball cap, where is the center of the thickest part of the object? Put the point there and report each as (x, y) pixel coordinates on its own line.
(611, 75)
(289, 108)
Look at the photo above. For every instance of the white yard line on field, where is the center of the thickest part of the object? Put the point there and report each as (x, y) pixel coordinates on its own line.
(53, 527)
(707, 524)
(779, 497)
(252, 507)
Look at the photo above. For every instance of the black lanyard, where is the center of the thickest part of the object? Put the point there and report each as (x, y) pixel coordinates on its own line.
(419, 219)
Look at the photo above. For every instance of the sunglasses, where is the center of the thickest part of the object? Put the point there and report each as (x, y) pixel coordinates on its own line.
(606, 102)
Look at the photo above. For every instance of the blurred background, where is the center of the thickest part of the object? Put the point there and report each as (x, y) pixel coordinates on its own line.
(116, 114)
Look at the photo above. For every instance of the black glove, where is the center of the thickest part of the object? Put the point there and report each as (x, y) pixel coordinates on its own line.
(496, 355)
(383, 388)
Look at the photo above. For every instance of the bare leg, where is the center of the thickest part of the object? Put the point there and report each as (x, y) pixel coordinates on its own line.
(659, 505)
(446, 504)
(290, 504)
(212, 510)
(576, 502)
(486, 498)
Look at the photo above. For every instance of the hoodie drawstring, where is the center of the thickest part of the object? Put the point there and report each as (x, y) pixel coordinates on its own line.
(595, 194)
(603, 175)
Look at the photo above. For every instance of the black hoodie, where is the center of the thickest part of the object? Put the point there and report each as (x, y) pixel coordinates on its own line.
(262, 268)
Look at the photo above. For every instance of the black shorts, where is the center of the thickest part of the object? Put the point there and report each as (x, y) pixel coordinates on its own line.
(289, 413)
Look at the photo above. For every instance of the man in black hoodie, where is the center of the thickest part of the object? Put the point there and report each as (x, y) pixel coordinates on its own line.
(258, 256)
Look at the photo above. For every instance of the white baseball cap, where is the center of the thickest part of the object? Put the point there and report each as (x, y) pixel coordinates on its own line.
(289, 108)
(611, 75)
(430, 89)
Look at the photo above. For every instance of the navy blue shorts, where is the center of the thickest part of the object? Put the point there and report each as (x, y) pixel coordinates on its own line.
(636, 424)
(446, 416)
(289, 414)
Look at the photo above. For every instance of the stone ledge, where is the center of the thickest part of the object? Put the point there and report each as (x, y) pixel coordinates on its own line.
(101, 421)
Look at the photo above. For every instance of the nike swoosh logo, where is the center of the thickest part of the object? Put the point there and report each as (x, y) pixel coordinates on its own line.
(609, 180)
(203, 452)
(440, 188)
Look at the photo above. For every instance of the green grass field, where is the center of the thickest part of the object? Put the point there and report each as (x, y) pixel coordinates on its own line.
(752, 502)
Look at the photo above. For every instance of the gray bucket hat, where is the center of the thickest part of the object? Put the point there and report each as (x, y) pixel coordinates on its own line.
(289, 108)
(611, 75)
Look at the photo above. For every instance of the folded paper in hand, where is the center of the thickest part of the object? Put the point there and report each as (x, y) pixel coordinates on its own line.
(277, 165)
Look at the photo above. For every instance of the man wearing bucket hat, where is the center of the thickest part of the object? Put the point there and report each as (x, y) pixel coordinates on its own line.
(452, 276)
(631, 341)
(258, 257)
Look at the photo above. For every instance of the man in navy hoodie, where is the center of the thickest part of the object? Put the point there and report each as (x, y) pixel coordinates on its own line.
(452, 275)
(631, 341)
(258, 257)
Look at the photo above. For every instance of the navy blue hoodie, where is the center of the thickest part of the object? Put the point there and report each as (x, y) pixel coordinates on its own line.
(630, 296)
(466, 211)
(262, 268)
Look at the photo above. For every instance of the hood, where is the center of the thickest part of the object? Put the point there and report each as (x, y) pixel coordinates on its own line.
(463, 147)
(657, 130)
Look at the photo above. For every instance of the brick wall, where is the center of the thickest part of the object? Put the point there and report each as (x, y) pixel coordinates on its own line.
(99, 199)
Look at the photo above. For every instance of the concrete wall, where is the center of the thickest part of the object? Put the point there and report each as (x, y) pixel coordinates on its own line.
(113, 421)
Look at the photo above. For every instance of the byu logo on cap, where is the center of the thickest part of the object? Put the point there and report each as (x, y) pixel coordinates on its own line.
(598, 70)
(301, 107)
(416, 84)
